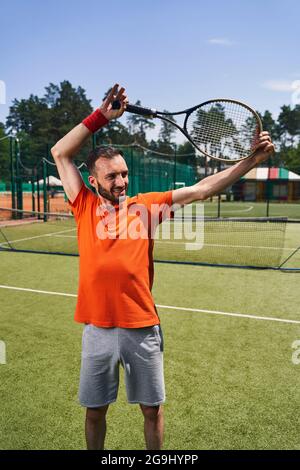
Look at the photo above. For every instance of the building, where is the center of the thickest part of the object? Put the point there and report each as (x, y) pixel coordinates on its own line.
(260, 184)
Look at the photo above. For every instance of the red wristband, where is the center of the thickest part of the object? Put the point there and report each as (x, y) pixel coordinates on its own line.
(95, 120)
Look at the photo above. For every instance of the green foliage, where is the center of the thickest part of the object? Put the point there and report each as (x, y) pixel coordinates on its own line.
(138, 125)
(269, 124)
(67, 107)
(289, 124)
(41, 121)
(167, 130)
(114, 132)
(4, 155)
(285, 133)
(165, 147)
(186, 153)
(290, 158)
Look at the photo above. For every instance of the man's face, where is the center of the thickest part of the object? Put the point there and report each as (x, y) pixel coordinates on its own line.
(111, 178)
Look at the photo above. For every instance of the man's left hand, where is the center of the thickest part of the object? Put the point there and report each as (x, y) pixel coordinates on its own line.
(115, 94)
(264, 148)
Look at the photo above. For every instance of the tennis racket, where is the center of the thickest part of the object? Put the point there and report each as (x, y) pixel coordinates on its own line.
(222, 129)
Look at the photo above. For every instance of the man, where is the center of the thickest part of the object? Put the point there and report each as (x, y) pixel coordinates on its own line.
(115, 238)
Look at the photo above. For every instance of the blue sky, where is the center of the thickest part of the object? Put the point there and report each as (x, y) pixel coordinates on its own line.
(170, 54)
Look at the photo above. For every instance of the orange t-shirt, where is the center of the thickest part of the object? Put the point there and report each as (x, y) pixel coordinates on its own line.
(116, 258)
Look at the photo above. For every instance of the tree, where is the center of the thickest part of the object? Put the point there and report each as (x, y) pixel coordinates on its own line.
(269, 124)
(290, 158)
(114, 133)
(138, 125)
(167, 130)
(40, 122)
(165, 142)
(28, 115)
(186, 153)
(4, 155)
(289, 124)
(288, 132)
(67, 107)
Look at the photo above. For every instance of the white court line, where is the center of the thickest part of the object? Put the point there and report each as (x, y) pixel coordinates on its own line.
(58, 234)
(170, 307)
(229, 212)
(228, 314)
(38, 291)
(225, 246)
(204, 244)
(65, 236)
(36, 236)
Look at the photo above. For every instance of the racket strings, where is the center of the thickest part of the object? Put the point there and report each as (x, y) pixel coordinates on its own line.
(223, 129)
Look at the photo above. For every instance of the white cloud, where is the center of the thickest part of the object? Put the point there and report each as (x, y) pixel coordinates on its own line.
(2, 92)
(220, 42)
(280, 85)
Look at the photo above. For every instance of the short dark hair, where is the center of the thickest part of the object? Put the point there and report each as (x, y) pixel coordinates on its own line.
(101, 152)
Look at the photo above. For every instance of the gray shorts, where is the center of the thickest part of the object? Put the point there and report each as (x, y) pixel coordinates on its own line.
(138, 350)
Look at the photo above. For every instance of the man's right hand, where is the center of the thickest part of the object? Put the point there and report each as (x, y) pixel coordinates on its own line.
(115, 94)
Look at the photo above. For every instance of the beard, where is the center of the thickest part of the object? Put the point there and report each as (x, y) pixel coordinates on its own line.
(109, 194)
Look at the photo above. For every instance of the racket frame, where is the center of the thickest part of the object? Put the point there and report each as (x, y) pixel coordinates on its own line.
(152, 113)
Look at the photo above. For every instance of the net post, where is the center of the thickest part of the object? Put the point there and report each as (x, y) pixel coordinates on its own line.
(132, 174)
(149, 167)
(48, 180)
(175, 165)
(32, 190)
(219, 195)
(205, 166)
(268, 188)
(45, 189)
(12, 179)
(38, 193)
(18, 181)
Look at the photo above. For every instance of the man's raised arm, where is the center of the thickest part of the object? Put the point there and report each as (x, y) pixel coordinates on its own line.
(215, 183)
(66, 149)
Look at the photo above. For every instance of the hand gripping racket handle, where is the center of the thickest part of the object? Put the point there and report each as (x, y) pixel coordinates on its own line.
(132, 108)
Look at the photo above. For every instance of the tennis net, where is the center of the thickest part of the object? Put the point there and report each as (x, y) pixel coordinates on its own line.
(245, 242)
(229, 242)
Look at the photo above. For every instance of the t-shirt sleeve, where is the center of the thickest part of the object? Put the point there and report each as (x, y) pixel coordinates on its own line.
(82, 200)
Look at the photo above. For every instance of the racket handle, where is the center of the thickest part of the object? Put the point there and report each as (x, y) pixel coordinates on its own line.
(132, 108)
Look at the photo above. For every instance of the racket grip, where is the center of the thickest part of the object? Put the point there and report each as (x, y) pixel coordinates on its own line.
(132, 108)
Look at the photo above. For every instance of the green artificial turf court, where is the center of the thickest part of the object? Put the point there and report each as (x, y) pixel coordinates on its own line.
(252, 209)
(230, 380)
